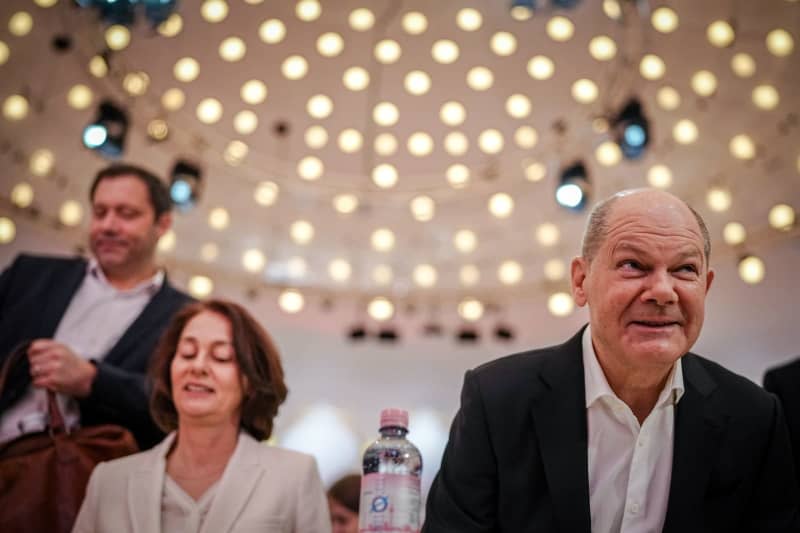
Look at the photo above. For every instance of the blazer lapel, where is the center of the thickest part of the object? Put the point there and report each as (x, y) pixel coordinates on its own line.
(58, 300)
(559, 413)
(698, 431)
(236, 486)
(145, 489)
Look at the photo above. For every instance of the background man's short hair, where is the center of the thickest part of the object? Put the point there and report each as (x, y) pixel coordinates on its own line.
(156, 189)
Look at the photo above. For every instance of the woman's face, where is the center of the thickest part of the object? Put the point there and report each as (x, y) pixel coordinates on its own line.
(343, 519)
(207, 387)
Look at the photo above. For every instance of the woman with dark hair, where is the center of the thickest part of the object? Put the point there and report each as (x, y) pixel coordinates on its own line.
(217, 385)
(343, 498)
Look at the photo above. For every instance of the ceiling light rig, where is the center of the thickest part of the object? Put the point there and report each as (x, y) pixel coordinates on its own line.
(632, 130)
(574, 187)
(106, 134)
(124, 11)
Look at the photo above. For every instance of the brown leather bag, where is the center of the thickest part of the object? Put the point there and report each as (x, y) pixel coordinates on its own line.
(43, 476)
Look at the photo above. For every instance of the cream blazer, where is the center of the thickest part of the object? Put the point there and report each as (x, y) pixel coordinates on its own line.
(263, 489)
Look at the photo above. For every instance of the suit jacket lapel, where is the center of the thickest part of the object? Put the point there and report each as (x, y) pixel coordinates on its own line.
(698, 431)
(236, 486)
(145, 489)
(58, 300)
(559, 413)
(157, 310)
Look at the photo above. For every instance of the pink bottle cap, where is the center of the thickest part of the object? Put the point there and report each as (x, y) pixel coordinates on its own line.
(394, 418)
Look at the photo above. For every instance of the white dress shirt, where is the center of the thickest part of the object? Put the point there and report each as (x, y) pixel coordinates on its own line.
(97, 316)
(630, 465)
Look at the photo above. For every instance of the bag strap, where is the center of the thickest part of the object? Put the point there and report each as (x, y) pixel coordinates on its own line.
(56, 419)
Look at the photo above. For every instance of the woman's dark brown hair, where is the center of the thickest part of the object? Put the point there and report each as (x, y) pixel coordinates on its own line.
(258, 359)
(347, 491)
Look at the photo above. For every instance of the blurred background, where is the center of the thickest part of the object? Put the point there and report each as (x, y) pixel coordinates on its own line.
(396, 188)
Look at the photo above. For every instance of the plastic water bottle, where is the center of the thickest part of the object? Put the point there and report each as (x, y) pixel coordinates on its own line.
(390, 488)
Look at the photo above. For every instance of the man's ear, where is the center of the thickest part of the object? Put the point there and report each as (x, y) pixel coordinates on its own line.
(578, 270)
(709, 279)
(163, 223)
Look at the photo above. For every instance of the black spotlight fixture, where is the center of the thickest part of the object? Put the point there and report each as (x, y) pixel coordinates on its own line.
(185, 183)
(504, 333)
(573, 187)
(565, 4)
(388, 335)
(468, 335)
(357, 333)
(124, 11)
(632, 130)
(106, 134)
(522, 9)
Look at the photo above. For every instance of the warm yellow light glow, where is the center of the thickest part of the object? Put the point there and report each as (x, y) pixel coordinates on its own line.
(41, 162)
(232, 49)
(456, 143)
(316, 137)
(384, 176)
(766, 97)
(319, 106)
(452, 113)
(420, 144)
(560, 28)
(310, 168)
(253, 260)
(381, 309)
(356, 78)
(417, 82)
(186, 69)
(97, 66)
(518, 106)
(457, 175)
(385, 144)
(219, 218)
(509, 272)
(782, 217)
(541, 67)
(444, 51)
(15, 107)
(385, 114)
(704, 83)
(719, 199)
(214, 10)
(659, 176)
(172, 26)
(79, 96)
(339, 270)
(465, 241)
(470, 309)
(603, 48)
(22, 195)
(266, 193)
(350, 141)
(742, 147)
(345, 203)
(469, 275)
(425, 276)
(294, 67)
(734, 233)
(501, 205)
(743, 65)
(173, 99)
(612, 9)
(535, 171)
(685, 131)
(382, 274)
(308, 10)
(584, 91)
(330, 44)
(547, 234)
(720, 33)
(382, 240)
(423, 208)
(752, 269)
(780, 42)
(555, 270)
(652, 67)
(526, 137)
(302, 232)
(664, 20)
(136, 83)
(235, 152)
(387, 51)
(272, 31)
(245, 122)
(490, 141)
(45, 3)
(503, 43)
(291, 301)
(209, 252)
(71, 213)
(158, 129)
(480, 78)
(8, 230)
(361, 19)
(608, 153)
(560, 304)
(469, 19)
(200, 286)
(668, 98)
(414, 22)
(118, 37)
(209, 111)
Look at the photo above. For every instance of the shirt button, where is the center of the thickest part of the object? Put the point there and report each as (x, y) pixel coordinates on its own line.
(634, 508)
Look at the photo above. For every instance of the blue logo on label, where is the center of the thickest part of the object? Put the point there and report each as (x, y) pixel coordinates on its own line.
(379, 504)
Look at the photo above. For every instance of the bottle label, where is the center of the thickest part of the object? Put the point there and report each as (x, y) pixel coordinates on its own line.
(389, 502)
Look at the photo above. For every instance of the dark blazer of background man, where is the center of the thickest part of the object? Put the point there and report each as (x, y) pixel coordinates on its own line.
(784, 382)
(130, 212)
(524, 452)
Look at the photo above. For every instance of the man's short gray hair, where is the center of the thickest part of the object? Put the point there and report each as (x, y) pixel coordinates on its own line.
(597, 227)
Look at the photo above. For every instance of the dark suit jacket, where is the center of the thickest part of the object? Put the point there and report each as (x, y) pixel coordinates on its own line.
(34, 295)
(784, 382)
(517, 460)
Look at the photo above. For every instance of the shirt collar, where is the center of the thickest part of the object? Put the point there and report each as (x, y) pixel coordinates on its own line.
(150, 285)
(597, 385)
